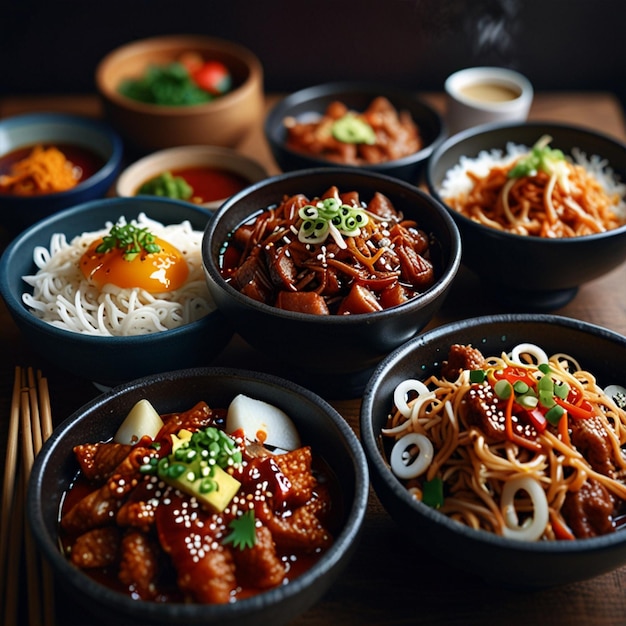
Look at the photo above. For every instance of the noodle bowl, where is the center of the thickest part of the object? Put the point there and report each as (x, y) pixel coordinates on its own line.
(502, 464)
(63, 297)
(567, 198)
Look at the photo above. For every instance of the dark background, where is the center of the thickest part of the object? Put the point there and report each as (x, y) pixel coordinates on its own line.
(53, 46)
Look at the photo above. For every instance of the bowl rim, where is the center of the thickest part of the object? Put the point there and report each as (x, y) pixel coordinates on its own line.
(194, 156)
(427, 297)
(249, 58)
(347, 537)
(274, 119)
(16, 307)
(495, 127)
(478, 75)
(111, 163)
(399, 492)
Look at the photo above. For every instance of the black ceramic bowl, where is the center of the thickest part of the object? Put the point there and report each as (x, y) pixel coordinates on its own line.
(319, 425)
(333, 352)
(108, 360)
(498, 560)
(532, 273)
(26, 131)
(357, 97)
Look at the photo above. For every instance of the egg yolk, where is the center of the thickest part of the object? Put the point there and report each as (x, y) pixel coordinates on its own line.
(156, 272)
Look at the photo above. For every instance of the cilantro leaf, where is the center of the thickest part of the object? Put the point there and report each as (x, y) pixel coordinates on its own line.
(243, 533)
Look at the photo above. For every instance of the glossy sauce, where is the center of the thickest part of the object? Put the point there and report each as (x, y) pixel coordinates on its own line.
(211, 184)
(82, 158)
(167, 589)
(489, 92)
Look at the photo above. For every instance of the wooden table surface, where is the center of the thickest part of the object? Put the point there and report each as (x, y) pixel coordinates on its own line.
(389, 581)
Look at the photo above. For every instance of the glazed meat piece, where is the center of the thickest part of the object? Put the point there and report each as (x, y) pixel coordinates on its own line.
(101, 506)
(205, 568)
(486, 411)
(252, 278)
(139, 564)
(592, 441)
(589, 511)
(98, 547)
(302, 530)
(302, 302)
(259, 566)
(98, 460)
(461, 358)
(140, 507)
(296, 466)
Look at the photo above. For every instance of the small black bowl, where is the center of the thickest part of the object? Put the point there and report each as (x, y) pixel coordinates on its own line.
(28, 130)
(108, 360)
(335, 353)
(319, 425)
(357, 97)
(532, 273)
(498, 560)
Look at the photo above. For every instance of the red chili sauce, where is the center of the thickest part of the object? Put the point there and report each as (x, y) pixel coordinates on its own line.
(85, 161)
(210, 184)
(162, 543)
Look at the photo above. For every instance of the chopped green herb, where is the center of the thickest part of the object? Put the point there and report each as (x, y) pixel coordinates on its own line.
(540, 158)
(197, 466)
(243, 533)
(129, 238)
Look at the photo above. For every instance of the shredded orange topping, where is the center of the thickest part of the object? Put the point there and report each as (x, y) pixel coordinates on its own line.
(44, 170)
(542, 205)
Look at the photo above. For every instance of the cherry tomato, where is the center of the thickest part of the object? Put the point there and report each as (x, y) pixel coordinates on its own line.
(213, 77)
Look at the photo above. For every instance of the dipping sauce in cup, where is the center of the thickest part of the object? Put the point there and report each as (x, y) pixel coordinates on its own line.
(480, 95)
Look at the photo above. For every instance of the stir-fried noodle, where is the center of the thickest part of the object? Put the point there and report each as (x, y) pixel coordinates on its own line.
(504, 470)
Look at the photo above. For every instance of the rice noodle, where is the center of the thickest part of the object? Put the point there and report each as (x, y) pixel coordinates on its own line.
(63, 297)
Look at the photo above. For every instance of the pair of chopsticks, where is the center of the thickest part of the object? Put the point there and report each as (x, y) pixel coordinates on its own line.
(31, 418)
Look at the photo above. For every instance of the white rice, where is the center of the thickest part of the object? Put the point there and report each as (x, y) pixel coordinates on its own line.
(457, 183)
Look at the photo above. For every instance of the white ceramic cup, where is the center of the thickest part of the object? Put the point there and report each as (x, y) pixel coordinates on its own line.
(479, 95)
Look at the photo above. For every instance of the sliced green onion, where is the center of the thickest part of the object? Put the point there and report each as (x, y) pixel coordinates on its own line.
(432, 493)
(520, 387)
(477, 376)
(503, 389)
(555, 414)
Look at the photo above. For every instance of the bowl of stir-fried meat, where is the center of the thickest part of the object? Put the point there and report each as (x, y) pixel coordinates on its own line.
(527, 490)
(361, 125)
(199, 496)
(328, 270)
(541, 208)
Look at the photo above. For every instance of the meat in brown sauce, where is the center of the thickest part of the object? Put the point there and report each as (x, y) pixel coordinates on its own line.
(387, 263)
(589, 511)
(130, 525)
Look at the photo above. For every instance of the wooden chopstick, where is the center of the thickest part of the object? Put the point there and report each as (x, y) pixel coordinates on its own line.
(8, 491)
(31, 414)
